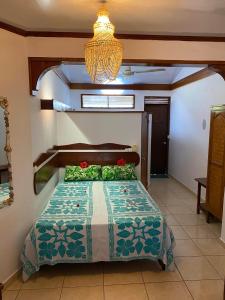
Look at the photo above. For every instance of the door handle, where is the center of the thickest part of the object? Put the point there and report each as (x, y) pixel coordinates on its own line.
(164, 143)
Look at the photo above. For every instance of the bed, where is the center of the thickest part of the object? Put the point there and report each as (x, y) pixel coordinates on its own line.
(92, 221)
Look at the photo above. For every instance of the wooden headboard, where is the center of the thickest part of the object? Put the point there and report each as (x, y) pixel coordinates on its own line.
(60, 156)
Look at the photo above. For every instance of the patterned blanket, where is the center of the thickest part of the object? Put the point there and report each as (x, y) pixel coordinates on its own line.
(98, 221)
(4, 191)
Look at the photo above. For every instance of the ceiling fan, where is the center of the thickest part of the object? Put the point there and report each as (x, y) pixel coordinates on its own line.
(128, 71)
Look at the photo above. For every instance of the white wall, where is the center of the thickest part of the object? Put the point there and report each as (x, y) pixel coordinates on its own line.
(75, 97)
(97, 128)
(190, 105)
(43, 122)
(133, 49)
(15, 221)
(188, 155)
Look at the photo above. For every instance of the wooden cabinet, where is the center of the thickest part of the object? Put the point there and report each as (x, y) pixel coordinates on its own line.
(216, 163)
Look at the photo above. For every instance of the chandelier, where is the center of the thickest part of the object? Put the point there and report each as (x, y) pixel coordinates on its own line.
(103, 53)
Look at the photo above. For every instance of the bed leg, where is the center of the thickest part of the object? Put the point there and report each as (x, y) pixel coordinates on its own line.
(162, 264)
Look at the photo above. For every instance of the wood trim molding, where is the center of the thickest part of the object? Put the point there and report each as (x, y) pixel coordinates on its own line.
(125, 36)
(192, 78)
(13, 29)
(140, 87)
(83, 146)
(218, 68)
(37, 69)
(38, 66)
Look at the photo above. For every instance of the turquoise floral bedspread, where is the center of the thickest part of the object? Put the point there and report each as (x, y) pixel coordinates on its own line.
(137, 228)
(63, 232)
(98, 221)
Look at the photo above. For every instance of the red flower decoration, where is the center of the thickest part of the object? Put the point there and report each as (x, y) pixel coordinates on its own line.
(121, 162)
(83, 164)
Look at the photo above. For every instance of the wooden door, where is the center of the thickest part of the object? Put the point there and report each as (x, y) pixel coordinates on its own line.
(216, 162)
(159, 143)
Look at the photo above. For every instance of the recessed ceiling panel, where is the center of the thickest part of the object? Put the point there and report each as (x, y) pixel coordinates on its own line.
(130, 75)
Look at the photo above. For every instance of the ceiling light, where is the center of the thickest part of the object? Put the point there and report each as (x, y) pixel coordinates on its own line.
(103, 53)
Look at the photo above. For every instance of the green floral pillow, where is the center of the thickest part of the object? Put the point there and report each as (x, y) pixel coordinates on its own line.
(76, 173)
(126, 172)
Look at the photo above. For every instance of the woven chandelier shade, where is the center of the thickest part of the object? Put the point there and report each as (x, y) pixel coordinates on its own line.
(103, 53)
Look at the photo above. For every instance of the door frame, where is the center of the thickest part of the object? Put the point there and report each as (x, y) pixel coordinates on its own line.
(144, 139)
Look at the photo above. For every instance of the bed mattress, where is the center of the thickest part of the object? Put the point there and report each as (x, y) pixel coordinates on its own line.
(98, 221)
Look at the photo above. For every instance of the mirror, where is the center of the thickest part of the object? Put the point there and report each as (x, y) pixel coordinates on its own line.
(6, 189)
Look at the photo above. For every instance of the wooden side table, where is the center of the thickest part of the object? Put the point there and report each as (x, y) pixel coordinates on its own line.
(202, 182)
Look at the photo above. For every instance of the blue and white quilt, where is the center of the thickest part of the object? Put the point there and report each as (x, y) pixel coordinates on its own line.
(98, 221)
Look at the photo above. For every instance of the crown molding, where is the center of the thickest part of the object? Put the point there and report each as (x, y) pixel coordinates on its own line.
(137, 87)
(125, 36)
(204, 73)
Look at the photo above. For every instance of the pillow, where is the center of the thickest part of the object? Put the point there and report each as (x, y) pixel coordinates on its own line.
(116, 172)
(76, 173)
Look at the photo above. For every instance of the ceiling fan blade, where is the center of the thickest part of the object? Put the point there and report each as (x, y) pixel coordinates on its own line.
(150, 71)
(128, 74)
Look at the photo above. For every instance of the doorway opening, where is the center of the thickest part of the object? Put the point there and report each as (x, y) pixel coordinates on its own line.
(155, 137)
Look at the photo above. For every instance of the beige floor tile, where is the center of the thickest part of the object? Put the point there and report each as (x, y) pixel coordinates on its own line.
(83, 293)
(195, 268)
(45, 294)
(172, 201)
(180, 209)
(216, 228)
(15, 284)
(168, 291)
(125, 292)
(199, 231)
(47, 277)
(176, 186)
(184, 219)
(171, 220)
(159, 202)
(84, 275)
(10, 295)
(152, 272)
(164, 210)
(218, 263)
(122, 273)
(179, 233)
(186, 248)
(206, 289)
(209, 246)
(184, 194)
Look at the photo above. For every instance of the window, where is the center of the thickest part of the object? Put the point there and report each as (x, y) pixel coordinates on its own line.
(108, 101)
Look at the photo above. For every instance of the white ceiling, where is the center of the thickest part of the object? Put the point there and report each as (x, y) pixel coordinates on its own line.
(205, 17)
(78, 74)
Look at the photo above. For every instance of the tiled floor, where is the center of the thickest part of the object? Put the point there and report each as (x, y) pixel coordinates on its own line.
(199, 273)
